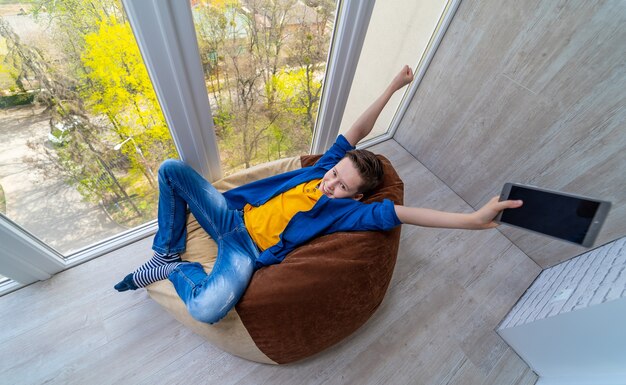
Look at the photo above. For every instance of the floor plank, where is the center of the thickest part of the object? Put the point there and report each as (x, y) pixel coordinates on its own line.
(449, 291)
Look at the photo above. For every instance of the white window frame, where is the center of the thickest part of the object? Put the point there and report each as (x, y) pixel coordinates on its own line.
(165, 33)
(353, 18)
(166, 36)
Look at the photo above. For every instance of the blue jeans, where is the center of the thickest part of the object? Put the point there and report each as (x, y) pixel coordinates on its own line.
(208, 297)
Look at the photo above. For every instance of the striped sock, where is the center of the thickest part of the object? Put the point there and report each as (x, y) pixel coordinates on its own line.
(156, 269)
(159, 259)
(143, 278)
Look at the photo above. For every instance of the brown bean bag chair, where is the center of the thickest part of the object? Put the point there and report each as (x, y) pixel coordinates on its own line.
(322, 292)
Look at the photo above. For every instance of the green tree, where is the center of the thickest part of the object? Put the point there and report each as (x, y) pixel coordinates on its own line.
(293, 90)
(70, 21)
(250, 48)
(213, 21)
(308, 52)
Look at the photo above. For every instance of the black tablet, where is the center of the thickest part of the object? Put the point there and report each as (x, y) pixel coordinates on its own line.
(568, 217)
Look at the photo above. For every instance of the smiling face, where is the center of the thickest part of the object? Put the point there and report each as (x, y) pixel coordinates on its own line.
(342, 181)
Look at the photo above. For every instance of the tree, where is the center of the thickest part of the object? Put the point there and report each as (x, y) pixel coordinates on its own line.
(293, 97)
(101, 92)
(122, 91)
(250, 46)
(267, 23)
(309, 52)
(264, 60)
(213, 21)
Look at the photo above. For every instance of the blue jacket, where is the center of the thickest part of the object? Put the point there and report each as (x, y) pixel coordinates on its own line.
(327, 216)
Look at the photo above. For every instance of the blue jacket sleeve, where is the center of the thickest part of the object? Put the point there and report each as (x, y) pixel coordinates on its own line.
(372, 216)
(335, 153)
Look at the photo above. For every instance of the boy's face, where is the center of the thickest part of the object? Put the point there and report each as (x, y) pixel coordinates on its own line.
(342, 181)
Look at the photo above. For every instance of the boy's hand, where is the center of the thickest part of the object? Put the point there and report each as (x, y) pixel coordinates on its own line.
(404, 77)
(484, 216)
(365, 123)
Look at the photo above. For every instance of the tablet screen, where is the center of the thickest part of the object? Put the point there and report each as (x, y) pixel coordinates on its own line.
(557, 215)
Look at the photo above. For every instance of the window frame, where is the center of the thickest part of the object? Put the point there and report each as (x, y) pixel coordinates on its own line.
(351, 26)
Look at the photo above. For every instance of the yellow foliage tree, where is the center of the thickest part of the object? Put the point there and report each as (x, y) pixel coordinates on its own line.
(120, 88)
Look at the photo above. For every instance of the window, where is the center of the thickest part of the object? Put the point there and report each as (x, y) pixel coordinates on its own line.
(264, 62)
(393, 39)
(82, 130)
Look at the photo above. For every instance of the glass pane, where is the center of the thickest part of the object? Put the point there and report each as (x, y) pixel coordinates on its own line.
(81, 131)
(387, 47)
(264, 63)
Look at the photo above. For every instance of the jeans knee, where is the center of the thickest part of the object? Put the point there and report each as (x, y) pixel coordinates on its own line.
(169, 164)
(215, 298)
(207, 312)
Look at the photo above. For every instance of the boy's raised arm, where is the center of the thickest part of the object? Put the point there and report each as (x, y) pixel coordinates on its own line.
(478, 220)
(365, 123)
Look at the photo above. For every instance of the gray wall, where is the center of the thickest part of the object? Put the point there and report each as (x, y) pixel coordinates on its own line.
(530, 92)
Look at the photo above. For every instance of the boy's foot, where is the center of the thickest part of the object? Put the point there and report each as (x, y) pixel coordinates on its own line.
(126, 284)
(143, 278)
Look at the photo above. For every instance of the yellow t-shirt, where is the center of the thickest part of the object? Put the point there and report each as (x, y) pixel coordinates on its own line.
(266, 222)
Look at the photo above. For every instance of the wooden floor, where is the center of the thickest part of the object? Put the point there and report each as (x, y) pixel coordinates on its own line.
(436, 325)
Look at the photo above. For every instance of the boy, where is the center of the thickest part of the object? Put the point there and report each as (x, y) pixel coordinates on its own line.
(258, 224)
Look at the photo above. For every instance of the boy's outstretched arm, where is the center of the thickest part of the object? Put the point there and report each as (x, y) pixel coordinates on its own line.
(478, 220)
(365, 123)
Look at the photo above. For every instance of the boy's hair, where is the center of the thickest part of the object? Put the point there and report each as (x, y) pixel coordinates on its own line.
(370, 169)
